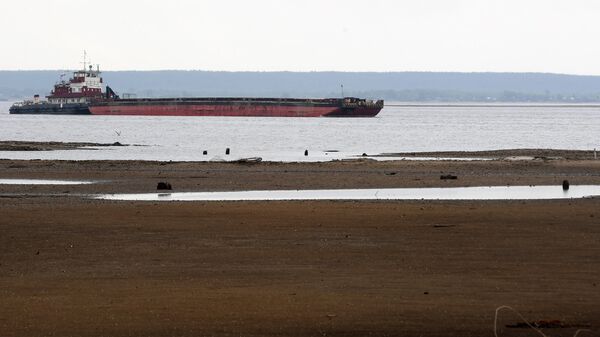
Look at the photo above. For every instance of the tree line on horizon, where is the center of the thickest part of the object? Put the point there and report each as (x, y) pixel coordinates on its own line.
(396, 86)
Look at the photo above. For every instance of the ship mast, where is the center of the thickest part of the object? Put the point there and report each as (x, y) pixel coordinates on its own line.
(84, 60)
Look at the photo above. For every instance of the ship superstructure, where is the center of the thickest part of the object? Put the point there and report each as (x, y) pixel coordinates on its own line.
(68, 97)
(84, 86)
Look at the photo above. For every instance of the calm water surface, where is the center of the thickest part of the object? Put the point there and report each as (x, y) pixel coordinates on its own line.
(43, 182)
(452, 193)
(396, 129)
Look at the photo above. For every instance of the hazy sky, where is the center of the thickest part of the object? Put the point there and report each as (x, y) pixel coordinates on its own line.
(304, 35)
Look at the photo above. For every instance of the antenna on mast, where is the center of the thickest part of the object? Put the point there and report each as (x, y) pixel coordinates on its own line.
(84, 60)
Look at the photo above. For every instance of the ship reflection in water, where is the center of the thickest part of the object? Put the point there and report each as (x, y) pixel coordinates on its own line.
(438, 193)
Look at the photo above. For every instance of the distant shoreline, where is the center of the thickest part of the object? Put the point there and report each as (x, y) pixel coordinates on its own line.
(423, 87)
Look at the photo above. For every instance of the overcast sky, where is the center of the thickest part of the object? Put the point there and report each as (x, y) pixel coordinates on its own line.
(304, 35)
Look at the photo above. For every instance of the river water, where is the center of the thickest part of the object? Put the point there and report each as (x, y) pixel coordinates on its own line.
(396, 129)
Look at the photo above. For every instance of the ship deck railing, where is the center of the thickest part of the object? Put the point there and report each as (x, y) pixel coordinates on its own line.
(233, 99)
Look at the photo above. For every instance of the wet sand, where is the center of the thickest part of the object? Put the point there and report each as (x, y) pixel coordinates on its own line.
(75, 266)
(50, 146)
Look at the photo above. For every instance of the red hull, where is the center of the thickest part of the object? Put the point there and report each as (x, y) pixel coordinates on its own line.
(240, 109)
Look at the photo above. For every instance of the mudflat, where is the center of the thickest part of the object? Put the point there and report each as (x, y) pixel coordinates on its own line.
(71, 266)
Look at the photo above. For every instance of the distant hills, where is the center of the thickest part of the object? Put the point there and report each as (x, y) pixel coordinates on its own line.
(395, 86)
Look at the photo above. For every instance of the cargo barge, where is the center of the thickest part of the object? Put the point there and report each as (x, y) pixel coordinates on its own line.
(242, 107)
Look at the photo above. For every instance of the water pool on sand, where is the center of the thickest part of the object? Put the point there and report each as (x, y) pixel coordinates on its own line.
(43, 182)
(438, 193)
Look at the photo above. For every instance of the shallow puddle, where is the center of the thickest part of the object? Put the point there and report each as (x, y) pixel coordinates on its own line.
(42, 182)
(452, 193)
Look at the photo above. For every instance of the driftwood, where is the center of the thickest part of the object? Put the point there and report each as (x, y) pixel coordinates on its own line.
(250, 160)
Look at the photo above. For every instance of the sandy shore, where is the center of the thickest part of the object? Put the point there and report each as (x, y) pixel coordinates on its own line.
(142, 176)
(73, 266)
(50, 146)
